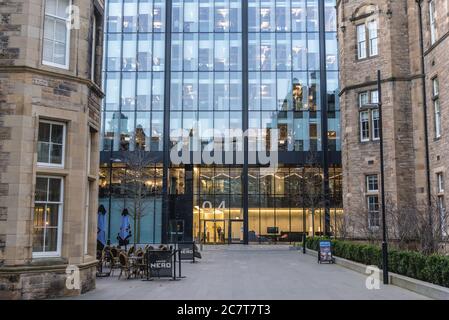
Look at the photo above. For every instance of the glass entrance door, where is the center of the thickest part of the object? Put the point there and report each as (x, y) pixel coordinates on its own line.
(214, 232)
(236, 231)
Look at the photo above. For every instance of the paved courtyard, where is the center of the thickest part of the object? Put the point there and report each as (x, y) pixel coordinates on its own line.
(251, 272)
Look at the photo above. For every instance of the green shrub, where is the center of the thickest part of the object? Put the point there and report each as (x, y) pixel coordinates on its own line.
(434, 268)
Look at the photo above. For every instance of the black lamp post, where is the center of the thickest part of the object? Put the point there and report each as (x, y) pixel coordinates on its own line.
(382, 180)
(304, 224)
(110, 190)
(382, 177)
(111, 161)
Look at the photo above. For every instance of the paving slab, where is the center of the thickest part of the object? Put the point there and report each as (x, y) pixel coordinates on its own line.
(251, 273)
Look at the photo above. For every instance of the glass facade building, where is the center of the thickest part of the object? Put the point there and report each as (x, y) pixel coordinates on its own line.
(197, 65)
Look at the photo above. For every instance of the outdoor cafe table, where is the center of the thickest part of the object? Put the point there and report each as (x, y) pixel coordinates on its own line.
(135, 261)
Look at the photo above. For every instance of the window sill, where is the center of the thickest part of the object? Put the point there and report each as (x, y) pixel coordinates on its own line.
(367, 58)
(41, 261)
(56, 66)
(52, 171)
(49, 165)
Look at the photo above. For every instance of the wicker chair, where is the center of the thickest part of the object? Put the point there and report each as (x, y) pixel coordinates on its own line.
(124, 265)
(131, 251)
(140, 263)
(114, 252)
(100, 259)
(111, 258)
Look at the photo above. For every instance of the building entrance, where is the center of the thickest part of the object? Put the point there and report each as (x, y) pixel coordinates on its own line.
(214, 232)
(223, 232)
(236, 231)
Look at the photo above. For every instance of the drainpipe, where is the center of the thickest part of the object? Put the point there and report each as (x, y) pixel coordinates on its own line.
(426, 128)
(424, 94)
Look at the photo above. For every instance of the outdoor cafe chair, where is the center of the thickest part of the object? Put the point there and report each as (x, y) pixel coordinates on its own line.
(114, 252)
(124, 265)
(111, 259)
(100, 259)
(140, 263)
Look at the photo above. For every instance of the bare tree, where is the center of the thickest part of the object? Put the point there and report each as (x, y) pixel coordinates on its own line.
(360, 224)
(312, 196)
(411, 226)
(402, 223)
(432, 225)
(419, 227)
(136, 184)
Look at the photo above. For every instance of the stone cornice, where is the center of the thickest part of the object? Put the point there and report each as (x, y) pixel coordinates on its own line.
(436, 44)
(25, 69)
(374, 82)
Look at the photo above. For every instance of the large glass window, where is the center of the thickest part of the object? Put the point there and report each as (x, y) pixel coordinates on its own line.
(210, 73)
(47, 221)
(190, 16)
(114, 16)
(206, 52)
(206, 92)
(284, 63)
(219, 202)
(119, 196)
(134, 73)
(145, 16)
(130, 16)
(281, 199)
(113, 52)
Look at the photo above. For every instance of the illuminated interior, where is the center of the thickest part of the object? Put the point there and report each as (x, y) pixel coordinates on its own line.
(275, 212)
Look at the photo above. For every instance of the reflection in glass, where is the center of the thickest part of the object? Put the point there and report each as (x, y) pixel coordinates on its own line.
(206, 91)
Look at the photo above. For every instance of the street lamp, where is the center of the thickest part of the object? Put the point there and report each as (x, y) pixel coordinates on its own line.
(382, 180)
(382, 177)
(304, 224)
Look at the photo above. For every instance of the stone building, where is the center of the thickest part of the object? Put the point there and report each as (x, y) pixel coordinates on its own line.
(50, 97)
(406, 40)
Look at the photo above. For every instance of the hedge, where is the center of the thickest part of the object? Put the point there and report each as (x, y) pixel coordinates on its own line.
(433, 268)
